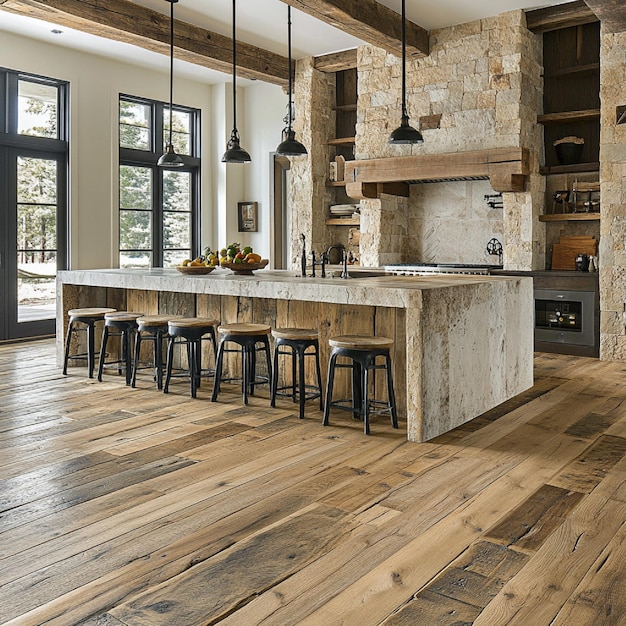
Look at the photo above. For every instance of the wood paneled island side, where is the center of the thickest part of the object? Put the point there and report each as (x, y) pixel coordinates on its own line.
(463, 344)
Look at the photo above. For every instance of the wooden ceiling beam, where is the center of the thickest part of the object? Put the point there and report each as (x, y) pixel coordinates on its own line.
(560, 16)
(612, 14)
(368, 20)
(131, 23)
(336, 61)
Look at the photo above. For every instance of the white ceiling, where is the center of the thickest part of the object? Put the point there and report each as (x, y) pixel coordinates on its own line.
(262, 23)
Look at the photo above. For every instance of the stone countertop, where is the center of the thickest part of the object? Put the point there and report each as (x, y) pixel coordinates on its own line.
(384, 290)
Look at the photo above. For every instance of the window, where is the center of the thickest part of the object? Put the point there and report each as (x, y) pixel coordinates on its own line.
(158, 211)
(33, 200)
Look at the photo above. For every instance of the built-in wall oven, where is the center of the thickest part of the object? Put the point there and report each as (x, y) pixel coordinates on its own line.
(564, 316)
(567, 313)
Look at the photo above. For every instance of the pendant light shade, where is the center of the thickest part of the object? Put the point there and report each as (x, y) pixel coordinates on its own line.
(290, 146)
(234, 152)
(405, 133)
(169, 158)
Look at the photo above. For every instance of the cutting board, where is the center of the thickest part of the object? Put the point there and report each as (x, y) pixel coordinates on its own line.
(565, 252)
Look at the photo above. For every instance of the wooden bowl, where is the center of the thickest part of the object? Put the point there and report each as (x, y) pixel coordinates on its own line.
(195, 270)
(245, 268)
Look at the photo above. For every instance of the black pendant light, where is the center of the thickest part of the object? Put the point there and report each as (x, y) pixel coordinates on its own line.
(405, 133)
(234, 152)
(169, 158)
(290, 146)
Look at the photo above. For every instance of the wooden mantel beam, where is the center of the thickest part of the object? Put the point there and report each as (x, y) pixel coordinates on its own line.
(368, 20)
(612, 14)
(506, 168)
(128, 22)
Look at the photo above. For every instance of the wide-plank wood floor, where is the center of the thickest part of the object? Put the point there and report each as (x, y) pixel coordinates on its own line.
(130, 507)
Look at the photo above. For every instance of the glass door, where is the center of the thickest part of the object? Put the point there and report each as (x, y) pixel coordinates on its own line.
(33, 201)
(32, 207)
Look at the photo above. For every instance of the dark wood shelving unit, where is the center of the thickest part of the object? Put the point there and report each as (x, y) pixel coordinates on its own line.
(571, 99)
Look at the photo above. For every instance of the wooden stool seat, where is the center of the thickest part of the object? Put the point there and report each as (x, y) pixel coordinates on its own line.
(297, 343)
(244, 329)
(88, 318)
(90, 312)
(354, 342)
(124, 325)
(362, 352)
(192, 322)
(190, 332)
(250, 338)
(151, 328)
(295, 334)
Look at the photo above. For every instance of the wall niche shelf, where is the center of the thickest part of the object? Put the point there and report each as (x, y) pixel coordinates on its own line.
(343, 221)
(570, 217)
(335, 183)
(341, 141)
(569, 116)
(577, 168)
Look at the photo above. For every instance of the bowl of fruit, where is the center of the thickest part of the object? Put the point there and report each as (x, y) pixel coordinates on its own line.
(203, 264)
(241, 260)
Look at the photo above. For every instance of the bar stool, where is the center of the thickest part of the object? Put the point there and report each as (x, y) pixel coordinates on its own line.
(122, 324)
(87, 318)
(151, 328)
(190, 332)
(296, 343)
(251, 338)
(363, 352)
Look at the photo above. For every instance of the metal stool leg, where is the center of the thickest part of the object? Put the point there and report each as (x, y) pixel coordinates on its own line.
(103, 347)
(68, 343)
(329, 388)
(391, 396)
(91, 348)
(170, 359)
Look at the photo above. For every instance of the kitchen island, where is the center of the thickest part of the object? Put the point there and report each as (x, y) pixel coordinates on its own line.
(462, 344)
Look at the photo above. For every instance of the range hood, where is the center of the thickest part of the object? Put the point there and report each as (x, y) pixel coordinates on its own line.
(505, 168)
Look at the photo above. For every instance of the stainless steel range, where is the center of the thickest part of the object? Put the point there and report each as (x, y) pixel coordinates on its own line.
(419, 269)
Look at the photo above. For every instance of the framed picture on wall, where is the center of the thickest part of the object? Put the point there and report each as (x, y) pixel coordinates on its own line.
(247, 216)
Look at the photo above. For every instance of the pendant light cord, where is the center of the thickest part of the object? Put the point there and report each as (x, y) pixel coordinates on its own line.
(404, 111)
(171, 66)
(289, 117)
(235, 131)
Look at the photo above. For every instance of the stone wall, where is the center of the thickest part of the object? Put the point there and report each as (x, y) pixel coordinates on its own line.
(484, 81)
(612, 253)
(314, 123)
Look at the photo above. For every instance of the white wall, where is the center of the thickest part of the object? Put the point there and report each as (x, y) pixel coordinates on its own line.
(95, 85)
(266, 106)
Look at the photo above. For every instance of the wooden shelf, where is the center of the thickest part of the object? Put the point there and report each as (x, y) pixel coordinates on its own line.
(345, 107)
(569, 71)
(341, 141)
(342, 221)
(570, 169)
(568, 116)
(570, 217)
(335, 183)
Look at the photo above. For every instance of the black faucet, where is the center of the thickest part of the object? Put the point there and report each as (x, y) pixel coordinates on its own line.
(303, 255)
(322, 262)
(344, 262)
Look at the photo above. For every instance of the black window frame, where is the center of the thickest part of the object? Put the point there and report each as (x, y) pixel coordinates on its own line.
(149, 158)
(37, 147)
